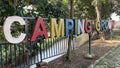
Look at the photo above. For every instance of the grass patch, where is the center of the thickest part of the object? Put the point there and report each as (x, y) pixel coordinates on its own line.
(115, 35)
(101, 63)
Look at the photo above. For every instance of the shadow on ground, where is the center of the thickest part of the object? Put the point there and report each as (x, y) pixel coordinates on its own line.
(78, 61)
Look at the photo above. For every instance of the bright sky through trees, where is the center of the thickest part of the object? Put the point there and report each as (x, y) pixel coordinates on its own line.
(115, 17)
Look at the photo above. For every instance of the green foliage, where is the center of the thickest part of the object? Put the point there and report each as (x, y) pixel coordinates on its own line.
(107, 7)
(10, 8)
(97, 2)
(115, 5)
(51, 8)
(5, 10)
(54, 8)
(104, 7)
(84, 9)
(11, 51)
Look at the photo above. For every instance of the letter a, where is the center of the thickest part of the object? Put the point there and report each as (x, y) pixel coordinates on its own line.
(39, 29)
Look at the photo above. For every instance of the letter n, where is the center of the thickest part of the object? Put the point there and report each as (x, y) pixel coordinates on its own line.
(81, 26)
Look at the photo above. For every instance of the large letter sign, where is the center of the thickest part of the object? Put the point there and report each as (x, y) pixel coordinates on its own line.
(102, 25)
(106, 25)
(39, 29)
(111, 24)
(97, 26)
(68, 26)
(81, 26)
(88, 27)
(7, 32)
(56, 29)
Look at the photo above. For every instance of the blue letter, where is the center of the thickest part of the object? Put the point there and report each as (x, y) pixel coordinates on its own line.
(102, 25)
(68, 26)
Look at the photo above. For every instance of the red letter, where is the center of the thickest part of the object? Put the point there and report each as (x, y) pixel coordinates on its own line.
(39, 29)
(88, 27)
(112, 24)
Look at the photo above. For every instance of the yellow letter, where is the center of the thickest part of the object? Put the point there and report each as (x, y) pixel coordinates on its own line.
(56, 29)
(97, 25)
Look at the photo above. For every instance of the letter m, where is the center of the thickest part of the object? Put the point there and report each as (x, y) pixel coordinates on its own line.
(56, 27)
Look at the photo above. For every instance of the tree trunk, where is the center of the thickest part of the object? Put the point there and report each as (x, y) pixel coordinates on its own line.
(102, 37)
(70, 32)
(98, 13)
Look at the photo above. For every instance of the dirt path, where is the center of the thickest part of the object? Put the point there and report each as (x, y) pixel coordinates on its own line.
(78, 60)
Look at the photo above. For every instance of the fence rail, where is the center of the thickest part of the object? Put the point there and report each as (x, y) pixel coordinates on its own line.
(28, 53)
(20, 55)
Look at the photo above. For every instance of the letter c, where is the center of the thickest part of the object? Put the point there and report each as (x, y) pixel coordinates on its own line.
(7, 32)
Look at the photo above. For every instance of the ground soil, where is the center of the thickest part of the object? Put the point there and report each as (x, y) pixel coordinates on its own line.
(78, 60)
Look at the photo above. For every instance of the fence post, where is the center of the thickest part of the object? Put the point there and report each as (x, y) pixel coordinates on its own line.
(26, 43)
(39, 39)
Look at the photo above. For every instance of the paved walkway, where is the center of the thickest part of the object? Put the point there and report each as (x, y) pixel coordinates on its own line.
(109, 60)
